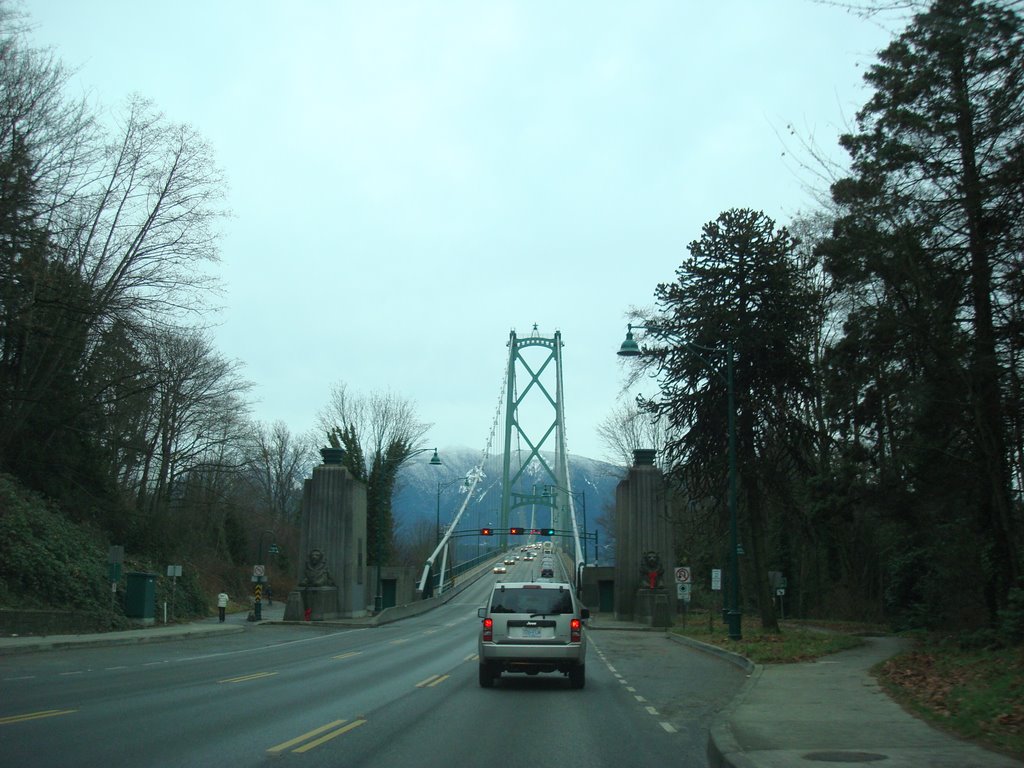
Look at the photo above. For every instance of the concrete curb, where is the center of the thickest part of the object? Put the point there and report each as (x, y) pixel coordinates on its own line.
(724, 750)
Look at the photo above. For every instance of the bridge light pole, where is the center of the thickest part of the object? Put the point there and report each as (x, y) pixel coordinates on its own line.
(440, 487)
(378, 600)
(630, 348)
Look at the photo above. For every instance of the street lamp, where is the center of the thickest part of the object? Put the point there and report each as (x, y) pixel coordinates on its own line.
(630, 348)
(378, 601)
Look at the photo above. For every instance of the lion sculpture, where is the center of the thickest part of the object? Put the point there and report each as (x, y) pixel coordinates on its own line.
(651, 570)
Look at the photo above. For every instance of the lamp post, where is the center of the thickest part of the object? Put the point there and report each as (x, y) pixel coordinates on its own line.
(630, 348)
(378, 600)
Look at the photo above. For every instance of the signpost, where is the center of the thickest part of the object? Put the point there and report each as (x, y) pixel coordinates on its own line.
(174, 571)
(115, 557)
(258, 574)
(716, 586)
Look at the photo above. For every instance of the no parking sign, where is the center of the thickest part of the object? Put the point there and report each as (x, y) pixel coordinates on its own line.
(682, 574)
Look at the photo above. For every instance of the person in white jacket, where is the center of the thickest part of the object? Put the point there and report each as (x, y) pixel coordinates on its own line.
(222, 604)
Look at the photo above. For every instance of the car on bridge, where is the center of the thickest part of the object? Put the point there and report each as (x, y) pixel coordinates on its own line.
(532, 627)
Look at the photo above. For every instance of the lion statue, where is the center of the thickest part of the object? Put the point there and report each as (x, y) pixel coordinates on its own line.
(316, 574)
(651, 570)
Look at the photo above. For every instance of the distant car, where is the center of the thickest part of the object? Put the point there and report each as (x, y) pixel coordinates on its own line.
(509, 561)
(547, 573)
(531, 627)
(500, 569)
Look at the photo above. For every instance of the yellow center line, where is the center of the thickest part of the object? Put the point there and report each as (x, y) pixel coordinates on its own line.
(329, 736)
(471, 657)
(348, 655)
(431, 681)
(303, 737)
(35, 716)
(246, 678)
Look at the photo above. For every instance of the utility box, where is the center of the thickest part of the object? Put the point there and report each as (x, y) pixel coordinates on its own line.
(140, 596)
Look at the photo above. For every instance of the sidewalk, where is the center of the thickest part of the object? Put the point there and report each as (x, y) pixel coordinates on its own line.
(158, 632)
(832, 711)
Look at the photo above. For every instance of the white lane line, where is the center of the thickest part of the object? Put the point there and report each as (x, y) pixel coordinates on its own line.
(668, 727)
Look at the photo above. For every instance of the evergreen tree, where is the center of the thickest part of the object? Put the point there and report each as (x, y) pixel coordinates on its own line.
(742, 286)
(930, 241)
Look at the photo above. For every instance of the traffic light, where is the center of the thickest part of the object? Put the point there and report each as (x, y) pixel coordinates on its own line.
(486, 531)
(542, 531)
(515, 531)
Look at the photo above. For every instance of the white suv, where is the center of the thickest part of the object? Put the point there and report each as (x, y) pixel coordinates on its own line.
(533, 627)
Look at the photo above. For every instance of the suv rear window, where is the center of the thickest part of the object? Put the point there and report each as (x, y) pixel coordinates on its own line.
(548, 602)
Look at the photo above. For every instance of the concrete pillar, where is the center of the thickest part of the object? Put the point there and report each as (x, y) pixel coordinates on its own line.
(641, 525)
(334, 521)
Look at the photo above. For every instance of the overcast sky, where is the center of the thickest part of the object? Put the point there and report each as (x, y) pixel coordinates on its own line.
(412, 180)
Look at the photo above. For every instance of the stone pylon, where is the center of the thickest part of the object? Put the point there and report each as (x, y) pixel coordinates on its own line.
(332, 544)
(642, 525)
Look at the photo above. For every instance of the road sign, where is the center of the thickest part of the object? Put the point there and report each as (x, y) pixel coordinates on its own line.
(259, 570)
(716, 579)
(682, 574)
(683, 591)
(174, 570)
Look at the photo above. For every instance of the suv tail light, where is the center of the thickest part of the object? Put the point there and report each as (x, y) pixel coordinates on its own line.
(575, 633)
(488, 629)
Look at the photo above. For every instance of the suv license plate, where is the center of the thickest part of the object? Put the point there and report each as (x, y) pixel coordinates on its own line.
(531, 632)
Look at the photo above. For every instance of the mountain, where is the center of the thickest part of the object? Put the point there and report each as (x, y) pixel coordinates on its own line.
(427, 494)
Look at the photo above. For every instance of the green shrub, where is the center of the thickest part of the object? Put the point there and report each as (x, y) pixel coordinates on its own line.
(45, 559)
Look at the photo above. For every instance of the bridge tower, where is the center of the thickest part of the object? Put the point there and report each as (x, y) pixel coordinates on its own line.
(535, 418)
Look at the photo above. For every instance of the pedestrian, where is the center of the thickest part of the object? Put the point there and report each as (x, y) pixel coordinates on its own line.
(270, 596)
(222, 604)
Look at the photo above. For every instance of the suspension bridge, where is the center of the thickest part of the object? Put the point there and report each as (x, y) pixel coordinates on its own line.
(527, 481)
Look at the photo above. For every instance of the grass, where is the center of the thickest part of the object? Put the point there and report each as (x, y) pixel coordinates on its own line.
(794, 643)
(975, 694)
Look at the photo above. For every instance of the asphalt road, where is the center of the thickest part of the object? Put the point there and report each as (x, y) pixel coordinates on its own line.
(404, 694)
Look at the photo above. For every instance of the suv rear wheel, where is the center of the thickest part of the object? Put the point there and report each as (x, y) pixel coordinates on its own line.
(487, 676)
(578, 676)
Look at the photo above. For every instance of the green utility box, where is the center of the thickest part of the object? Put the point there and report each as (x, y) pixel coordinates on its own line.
(140, 597)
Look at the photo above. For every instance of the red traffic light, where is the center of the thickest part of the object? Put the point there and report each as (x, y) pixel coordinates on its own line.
(486, 531)
(515, 531)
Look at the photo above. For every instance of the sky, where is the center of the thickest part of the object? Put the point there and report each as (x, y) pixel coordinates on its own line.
(411, 181)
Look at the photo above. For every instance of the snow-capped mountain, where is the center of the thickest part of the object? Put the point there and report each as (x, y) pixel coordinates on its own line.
(433, 494)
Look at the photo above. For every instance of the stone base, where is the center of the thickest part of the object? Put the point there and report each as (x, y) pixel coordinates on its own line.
(652, 608)
(293, 608)
(320, 602)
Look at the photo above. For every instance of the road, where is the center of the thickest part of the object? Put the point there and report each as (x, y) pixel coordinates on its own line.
(403, 694)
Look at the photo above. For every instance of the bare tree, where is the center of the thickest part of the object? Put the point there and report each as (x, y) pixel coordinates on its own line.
(379, 432)
(627, 428)
(277, 465)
